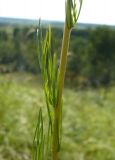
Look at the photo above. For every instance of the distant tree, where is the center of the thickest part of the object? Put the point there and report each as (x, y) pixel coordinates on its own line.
(3, 36)
(100, 56)
(76, 55)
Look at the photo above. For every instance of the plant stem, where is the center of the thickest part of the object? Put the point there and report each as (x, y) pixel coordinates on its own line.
(63, 60)
(61, 75)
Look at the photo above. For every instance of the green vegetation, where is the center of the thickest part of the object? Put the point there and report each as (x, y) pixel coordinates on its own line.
(91, 53)
(47, 142)
(88, 114)
(88, 120)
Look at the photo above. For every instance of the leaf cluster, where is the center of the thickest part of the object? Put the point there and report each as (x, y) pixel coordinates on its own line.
(48, 66)
(72, 12)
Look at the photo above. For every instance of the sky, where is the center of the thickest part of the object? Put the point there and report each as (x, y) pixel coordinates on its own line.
(93, 11)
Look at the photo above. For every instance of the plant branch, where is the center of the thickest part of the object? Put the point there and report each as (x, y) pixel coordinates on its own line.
(61, 75)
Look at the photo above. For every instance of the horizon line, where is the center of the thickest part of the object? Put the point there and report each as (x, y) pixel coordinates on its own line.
(51, 20)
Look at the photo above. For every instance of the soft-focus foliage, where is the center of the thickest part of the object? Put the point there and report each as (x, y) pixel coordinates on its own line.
(88, 120)
(91, 56)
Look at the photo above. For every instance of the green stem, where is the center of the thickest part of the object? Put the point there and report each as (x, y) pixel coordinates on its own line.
(61, 75)
(63, 60)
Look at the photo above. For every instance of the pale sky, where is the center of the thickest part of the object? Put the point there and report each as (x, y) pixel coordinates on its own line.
(93, 11)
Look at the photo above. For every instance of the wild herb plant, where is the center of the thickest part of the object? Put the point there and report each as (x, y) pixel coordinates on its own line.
(47, 142)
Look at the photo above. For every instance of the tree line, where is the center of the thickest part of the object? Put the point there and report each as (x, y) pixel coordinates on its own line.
(91, 57)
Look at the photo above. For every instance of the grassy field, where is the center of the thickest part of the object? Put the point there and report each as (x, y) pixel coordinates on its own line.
(88, 120)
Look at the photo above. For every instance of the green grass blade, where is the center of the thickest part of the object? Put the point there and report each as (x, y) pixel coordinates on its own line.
(38, 138)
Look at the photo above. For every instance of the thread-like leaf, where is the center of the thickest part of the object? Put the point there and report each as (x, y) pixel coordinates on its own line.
(72, 12)
(38, 138)
(48, 65)
(81, 2)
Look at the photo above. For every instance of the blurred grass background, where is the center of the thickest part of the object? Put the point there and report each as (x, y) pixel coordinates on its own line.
(88, 119)
(89, 95)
